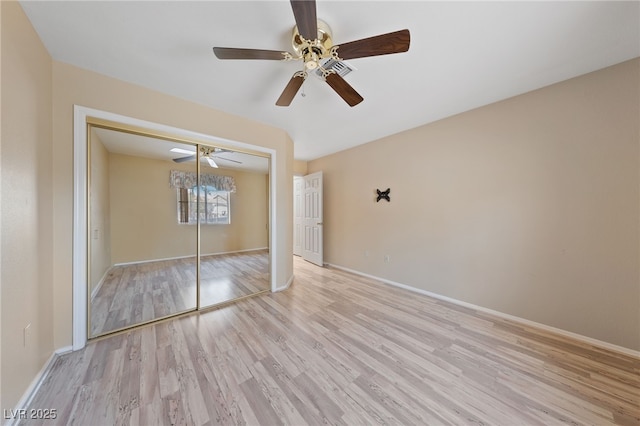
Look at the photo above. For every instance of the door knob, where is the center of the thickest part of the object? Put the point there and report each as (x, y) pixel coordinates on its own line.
(319, 223)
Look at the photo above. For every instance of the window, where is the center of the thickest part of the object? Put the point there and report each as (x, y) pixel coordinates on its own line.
(210, 204)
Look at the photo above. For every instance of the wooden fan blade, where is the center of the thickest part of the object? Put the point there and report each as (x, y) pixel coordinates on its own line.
(235, 53)
(290, 91)
(304, 12)
(383, 44)
(183, 159)
(344, 89)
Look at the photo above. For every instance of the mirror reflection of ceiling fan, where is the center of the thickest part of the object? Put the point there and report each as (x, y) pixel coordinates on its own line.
(312, 43)
(206, 154)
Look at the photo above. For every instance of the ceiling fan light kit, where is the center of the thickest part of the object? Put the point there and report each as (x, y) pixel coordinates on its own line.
(312, 42)
(312, 51)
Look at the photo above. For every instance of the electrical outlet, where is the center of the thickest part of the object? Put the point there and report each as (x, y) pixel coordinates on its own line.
(26, 332)
(387, 258)
(366, 253)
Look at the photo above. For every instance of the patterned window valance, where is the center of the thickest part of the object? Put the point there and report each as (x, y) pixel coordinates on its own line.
(187, 180)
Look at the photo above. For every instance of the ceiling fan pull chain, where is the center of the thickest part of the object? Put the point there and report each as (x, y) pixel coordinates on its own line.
(303, 75)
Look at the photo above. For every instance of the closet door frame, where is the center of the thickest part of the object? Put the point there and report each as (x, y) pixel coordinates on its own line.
(83, 117)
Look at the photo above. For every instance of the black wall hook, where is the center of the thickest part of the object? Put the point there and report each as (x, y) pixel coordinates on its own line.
(383, 194)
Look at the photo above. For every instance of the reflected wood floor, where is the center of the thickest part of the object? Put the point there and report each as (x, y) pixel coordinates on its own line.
(136, 293)
(341, 349)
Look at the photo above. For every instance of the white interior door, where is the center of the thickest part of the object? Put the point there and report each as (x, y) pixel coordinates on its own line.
(298, 210)
(312, 218)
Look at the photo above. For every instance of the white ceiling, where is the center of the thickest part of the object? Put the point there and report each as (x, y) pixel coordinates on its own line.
(463, 55)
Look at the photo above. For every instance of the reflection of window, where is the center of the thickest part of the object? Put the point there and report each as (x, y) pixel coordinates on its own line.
(210, 204)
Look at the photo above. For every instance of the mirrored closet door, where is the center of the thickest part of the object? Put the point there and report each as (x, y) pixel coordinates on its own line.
(234, 257)
(173, 227)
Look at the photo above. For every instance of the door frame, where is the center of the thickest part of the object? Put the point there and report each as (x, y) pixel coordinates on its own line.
(298, 181)
(80, 204)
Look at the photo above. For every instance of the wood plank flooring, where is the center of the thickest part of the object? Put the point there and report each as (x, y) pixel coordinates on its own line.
(341, 349)
(137, 293)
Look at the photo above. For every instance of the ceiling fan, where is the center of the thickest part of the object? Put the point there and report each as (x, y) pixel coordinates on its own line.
(206, 154)
(312, 43)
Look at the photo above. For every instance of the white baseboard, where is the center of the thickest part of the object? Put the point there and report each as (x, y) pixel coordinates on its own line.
(287, 285)
(102, 280)
(35, 384)
(559, 331)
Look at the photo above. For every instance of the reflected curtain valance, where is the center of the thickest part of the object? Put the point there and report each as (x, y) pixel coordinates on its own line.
(187, 180)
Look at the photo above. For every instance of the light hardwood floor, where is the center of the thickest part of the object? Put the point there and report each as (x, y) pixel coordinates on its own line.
(341, 349)
(136, 293)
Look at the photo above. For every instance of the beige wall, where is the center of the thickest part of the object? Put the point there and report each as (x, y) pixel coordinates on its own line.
(529, 206)
(144, 213)
(99, 213)
(299, 168)
(26, 226)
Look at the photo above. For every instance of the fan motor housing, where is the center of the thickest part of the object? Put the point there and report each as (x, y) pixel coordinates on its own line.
(312, 51)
